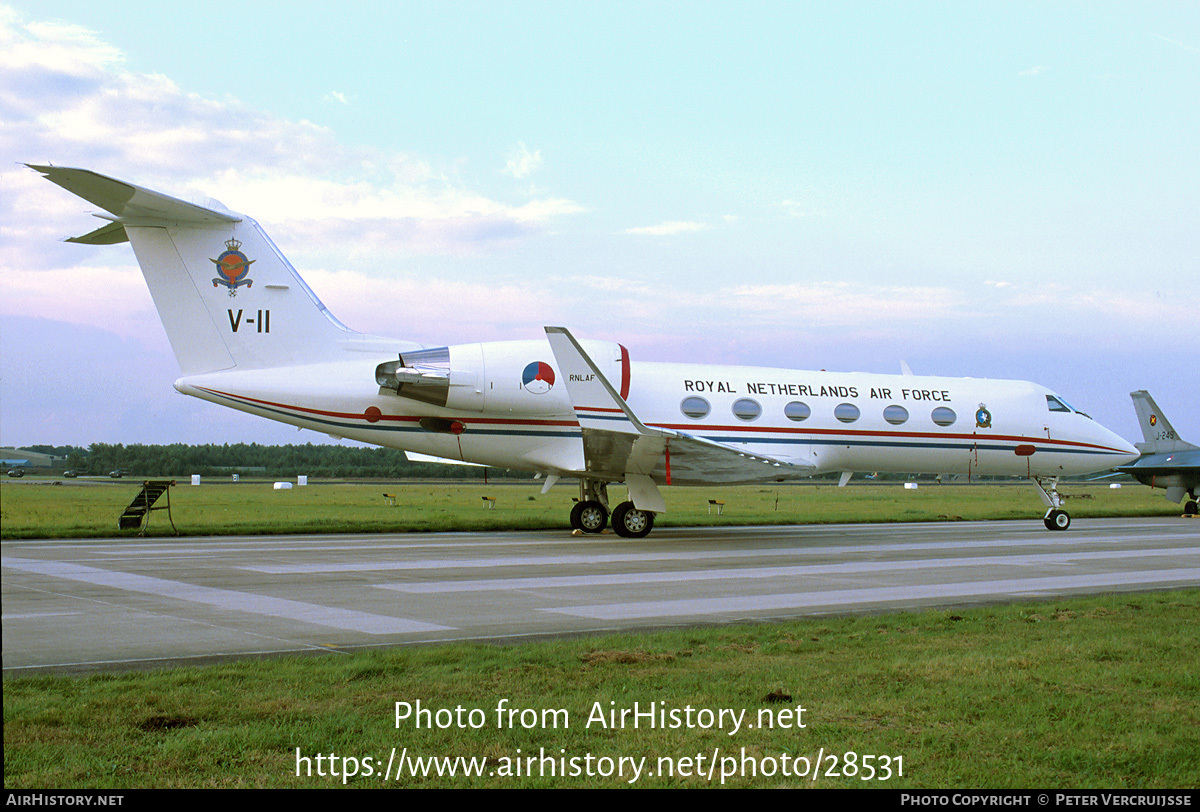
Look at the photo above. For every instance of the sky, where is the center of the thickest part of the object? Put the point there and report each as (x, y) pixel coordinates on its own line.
(1004, 190)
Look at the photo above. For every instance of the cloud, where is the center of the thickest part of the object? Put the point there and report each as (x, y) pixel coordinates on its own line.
(113, 298)
(436, 311)
(846, 305)
(1037, 70)
(66, 97)
(53, 50)
(794, 208)
(337, 96)
(1178, 44)
(669, 228)
(522, 163)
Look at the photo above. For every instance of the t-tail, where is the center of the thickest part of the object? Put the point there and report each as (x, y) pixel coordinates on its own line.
(226, 296)
(1160, 435)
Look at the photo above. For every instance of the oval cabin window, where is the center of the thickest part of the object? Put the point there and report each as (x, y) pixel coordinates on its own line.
(846, 412)
(694, 407)
(797, 411)
(944, 416)
(746, 409)
(895, 415)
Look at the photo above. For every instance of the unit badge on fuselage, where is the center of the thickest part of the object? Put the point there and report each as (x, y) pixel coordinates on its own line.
(983, 418)
(233, 267)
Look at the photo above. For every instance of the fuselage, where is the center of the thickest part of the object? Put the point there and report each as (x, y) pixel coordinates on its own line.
(498, 412)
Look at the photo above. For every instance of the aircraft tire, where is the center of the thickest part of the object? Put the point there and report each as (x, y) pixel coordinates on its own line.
(1057, 520)
(589, 516)
(631, 523)
(1189, 508)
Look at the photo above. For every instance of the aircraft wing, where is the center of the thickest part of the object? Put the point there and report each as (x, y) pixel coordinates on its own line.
(616, 443)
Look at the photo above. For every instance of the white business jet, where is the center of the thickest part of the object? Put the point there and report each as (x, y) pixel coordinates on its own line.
(249, 334)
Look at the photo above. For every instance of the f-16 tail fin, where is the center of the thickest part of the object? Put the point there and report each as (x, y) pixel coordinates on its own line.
(226, 296)
(1159, 433)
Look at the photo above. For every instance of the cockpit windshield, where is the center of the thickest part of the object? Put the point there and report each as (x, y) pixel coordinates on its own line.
(1057, 404)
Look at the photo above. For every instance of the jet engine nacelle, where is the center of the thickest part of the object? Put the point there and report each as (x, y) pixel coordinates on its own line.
(508, 377)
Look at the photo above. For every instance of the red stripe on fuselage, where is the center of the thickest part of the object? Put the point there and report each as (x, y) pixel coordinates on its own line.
(394, 418)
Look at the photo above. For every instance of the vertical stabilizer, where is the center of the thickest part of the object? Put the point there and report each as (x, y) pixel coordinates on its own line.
(226, 296)
(1160, 435)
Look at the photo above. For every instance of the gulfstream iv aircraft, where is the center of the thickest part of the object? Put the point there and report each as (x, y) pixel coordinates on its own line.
(249, 334)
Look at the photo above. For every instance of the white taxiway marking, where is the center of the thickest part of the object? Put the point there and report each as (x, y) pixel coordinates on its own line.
(856, 568)
(840, 597)
(346, 619)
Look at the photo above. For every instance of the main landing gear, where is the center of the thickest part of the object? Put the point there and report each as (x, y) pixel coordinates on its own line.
(631, 523)
(590, 513)
(590, 516)
(1056, 518)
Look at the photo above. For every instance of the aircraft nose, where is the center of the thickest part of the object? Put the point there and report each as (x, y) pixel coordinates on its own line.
(1125, 449)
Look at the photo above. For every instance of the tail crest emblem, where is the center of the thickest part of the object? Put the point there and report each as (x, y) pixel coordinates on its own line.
(233, 267)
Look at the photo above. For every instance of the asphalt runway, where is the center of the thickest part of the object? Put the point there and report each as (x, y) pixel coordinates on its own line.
(123, 604)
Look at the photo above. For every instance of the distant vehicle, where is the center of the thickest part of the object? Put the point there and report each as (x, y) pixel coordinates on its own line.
(1167, 460)
(16, 472)
(70, 473)
(116, 473)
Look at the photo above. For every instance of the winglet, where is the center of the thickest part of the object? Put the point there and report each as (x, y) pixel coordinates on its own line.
(598, 405)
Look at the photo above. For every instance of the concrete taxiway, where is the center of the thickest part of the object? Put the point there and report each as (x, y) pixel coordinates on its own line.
(115, 604)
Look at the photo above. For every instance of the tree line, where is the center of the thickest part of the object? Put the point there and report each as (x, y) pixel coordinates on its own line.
(180, 460)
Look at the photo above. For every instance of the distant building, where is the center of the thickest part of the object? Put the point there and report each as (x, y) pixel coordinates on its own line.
(23, 458)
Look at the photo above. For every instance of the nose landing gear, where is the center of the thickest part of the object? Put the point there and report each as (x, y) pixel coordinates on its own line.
(1056, 518)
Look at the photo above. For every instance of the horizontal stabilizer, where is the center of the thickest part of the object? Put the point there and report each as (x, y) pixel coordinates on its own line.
(130, 204)
(110, 234)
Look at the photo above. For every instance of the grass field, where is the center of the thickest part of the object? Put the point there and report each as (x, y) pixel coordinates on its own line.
(1077, 693)
(55, 509)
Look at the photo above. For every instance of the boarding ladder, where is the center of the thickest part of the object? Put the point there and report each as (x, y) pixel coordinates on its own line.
(137, 515)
